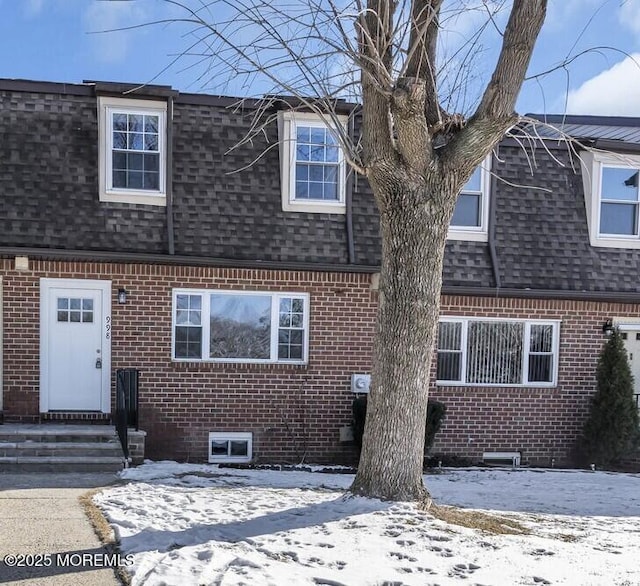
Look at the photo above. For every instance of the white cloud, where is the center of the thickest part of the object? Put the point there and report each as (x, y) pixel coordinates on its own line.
(560, 12)
(105, 21)
(629, 15)
(33, 8)
(613, 92)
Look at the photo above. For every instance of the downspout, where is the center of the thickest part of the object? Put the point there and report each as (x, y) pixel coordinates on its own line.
(169, 176)
(349, 187)
(491, 228)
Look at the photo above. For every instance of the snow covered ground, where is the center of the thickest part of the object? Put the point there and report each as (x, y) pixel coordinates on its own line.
(197, 524)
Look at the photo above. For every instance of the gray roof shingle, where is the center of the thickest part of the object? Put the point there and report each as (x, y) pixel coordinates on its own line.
(49, 199)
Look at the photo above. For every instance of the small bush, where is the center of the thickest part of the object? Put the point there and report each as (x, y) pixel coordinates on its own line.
(611, 432)
(435, 416)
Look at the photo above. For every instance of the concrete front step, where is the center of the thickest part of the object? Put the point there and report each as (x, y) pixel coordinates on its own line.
(59, 448)
(60, 464)
(86, 449)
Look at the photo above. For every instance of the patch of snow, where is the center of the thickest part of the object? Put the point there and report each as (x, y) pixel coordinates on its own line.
(201, 524)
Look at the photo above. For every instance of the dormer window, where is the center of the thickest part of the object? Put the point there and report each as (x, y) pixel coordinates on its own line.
(132, 150)
(612, 198)
(313, 169)
(471, 214)
(619, 201)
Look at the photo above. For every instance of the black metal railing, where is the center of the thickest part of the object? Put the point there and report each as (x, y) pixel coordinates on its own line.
(126, 414)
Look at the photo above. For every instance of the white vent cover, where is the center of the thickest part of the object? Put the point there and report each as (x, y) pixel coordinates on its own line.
(501, 458)
(360, 383)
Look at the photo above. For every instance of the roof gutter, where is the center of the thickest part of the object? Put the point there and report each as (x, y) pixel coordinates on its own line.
(610, 296)
(197, 261)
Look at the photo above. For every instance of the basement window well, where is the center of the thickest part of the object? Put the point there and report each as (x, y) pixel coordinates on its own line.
(230, 447)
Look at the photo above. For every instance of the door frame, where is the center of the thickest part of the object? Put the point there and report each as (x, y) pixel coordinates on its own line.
(45, 310)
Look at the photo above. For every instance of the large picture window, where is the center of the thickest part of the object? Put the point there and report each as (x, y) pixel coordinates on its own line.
(495, 352)
(239, 326)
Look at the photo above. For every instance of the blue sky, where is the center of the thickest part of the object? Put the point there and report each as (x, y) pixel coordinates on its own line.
(57, 40)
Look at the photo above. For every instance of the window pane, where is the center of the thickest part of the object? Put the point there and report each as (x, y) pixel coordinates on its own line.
(475, 181)
(619, 183)
(219, 448)
(151, 180)
(332, 154)
(449, 366)
(540, 368)
(136, 122)
(467, 210)
(151, 162)
(318, 136)
(316, 173)
(119, 179)
(87, 317)
(75, 303)
(134, 180)
(316, 154)
(315, 190)
(63, 303)
(134, 161)
(618, 218)
(136, 140)
(303, 152)
(330, 191)
(240, 326)
(151, 124)
(302, 190)
(449, 336)
(302, 172)
(63, 316)
(494, 352)
(120, 122)
(74, 316)
(151, 142)
(303, 134)
(188, 342)
(119, 140)
(239, 448)
(541, 338)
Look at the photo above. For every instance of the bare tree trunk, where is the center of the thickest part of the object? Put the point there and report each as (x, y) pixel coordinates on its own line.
(391, 461)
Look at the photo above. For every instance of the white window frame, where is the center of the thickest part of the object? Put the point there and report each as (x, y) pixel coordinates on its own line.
(592, 164)
(206, 325)
(231, 436)
(465, 321)
(107, 106)
(477, 233)
(287, 124)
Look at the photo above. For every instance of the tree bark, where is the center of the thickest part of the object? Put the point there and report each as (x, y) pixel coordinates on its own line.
(391, 461)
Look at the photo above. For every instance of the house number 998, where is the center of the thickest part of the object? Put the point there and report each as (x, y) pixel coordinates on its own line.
(108, 328)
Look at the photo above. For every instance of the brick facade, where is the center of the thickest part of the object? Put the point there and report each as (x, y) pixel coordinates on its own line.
(541, 423)
(295, 412)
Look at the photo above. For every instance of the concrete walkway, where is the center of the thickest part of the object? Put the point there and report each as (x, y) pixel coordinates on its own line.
(41, 515)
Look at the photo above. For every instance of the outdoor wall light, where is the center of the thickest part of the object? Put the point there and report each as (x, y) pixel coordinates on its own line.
(607, 327)
(122, 296)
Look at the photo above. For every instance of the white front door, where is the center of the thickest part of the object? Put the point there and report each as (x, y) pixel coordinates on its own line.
(75, 345)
